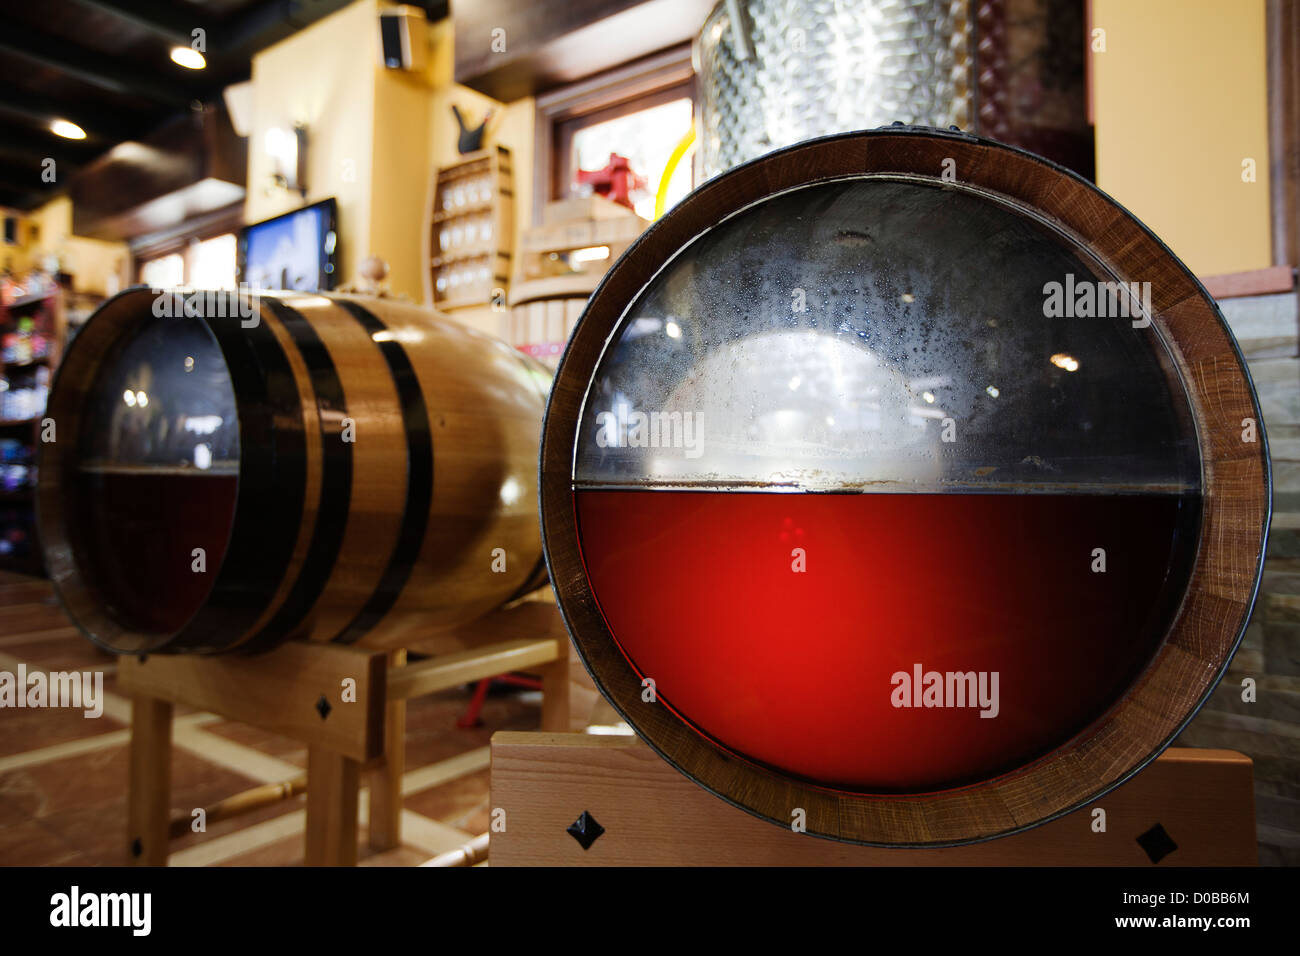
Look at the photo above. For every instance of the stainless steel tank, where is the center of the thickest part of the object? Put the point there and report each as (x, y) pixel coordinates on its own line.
(774, 72)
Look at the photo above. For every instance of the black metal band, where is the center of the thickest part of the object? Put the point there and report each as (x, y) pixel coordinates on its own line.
(272, 476)
(536, 578)
(336, 479)
(419, 476)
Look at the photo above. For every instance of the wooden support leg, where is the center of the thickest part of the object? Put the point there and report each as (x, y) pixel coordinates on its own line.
(149, 788)
(386, 780)
(333, 787)
(555, 690)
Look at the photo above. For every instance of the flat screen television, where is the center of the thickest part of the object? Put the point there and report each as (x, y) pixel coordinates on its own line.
(298, 250)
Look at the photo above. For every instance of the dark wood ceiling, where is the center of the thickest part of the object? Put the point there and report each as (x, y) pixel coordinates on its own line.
(105, 65)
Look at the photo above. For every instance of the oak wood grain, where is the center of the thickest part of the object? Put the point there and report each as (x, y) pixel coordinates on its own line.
(654, 816)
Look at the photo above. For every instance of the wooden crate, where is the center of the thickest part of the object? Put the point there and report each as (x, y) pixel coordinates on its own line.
(571, 224)
(550, 291)
(543, 313)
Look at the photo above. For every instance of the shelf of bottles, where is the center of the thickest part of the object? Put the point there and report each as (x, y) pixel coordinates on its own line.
(472, 229)
(31, 329)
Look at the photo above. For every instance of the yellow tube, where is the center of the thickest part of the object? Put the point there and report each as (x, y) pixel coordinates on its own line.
(681, 149)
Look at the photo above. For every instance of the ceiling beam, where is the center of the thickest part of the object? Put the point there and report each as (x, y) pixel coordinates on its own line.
(20, 152)
(231, 42)
(22, 163)
(26, 178)
(17, 133)
(94, 68)
(554, 44)
(237, 37)
(42, 111)
(25, 173)
(162, 19)
(265, 23)
(18, 137)
(17, 199)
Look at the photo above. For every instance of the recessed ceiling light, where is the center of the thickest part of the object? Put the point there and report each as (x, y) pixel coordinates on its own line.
(61, 127)
(188, 57)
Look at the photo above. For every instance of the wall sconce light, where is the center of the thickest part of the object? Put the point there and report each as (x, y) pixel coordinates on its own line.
(288, 152)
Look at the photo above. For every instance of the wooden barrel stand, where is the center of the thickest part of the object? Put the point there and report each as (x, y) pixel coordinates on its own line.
(1189, 807)
(347, 704)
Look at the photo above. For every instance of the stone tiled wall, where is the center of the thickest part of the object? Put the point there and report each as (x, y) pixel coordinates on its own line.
(1268, 729)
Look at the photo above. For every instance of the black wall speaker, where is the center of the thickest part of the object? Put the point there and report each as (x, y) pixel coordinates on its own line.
(403, 38)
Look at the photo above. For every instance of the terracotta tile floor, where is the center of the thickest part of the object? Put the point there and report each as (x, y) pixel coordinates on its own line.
(63, 776)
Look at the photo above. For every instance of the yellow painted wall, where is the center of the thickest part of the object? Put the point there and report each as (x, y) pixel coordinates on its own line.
(97, 267)
(16, 259)
(376, 137)
(400, 179)
(1181, 100)
(323, 77)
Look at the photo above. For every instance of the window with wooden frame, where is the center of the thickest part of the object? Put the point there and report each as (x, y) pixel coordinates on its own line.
(200, 252)
(641, 111)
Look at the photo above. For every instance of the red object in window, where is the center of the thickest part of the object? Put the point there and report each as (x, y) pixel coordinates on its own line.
(616, 181)
(471, 716)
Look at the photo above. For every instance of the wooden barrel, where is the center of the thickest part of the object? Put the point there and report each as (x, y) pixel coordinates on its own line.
(229, 472)
(901, 488)
(543, 313)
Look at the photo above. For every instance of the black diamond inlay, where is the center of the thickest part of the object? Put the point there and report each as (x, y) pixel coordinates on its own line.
(585, 830)
(137, 848)
(323, 707)
(1157, 843)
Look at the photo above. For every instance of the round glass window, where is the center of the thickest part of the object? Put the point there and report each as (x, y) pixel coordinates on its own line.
(154, 494)
(887, 485)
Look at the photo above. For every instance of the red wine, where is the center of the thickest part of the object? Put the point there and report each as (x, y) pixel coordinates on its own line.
(139, 529)
(800, 669)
